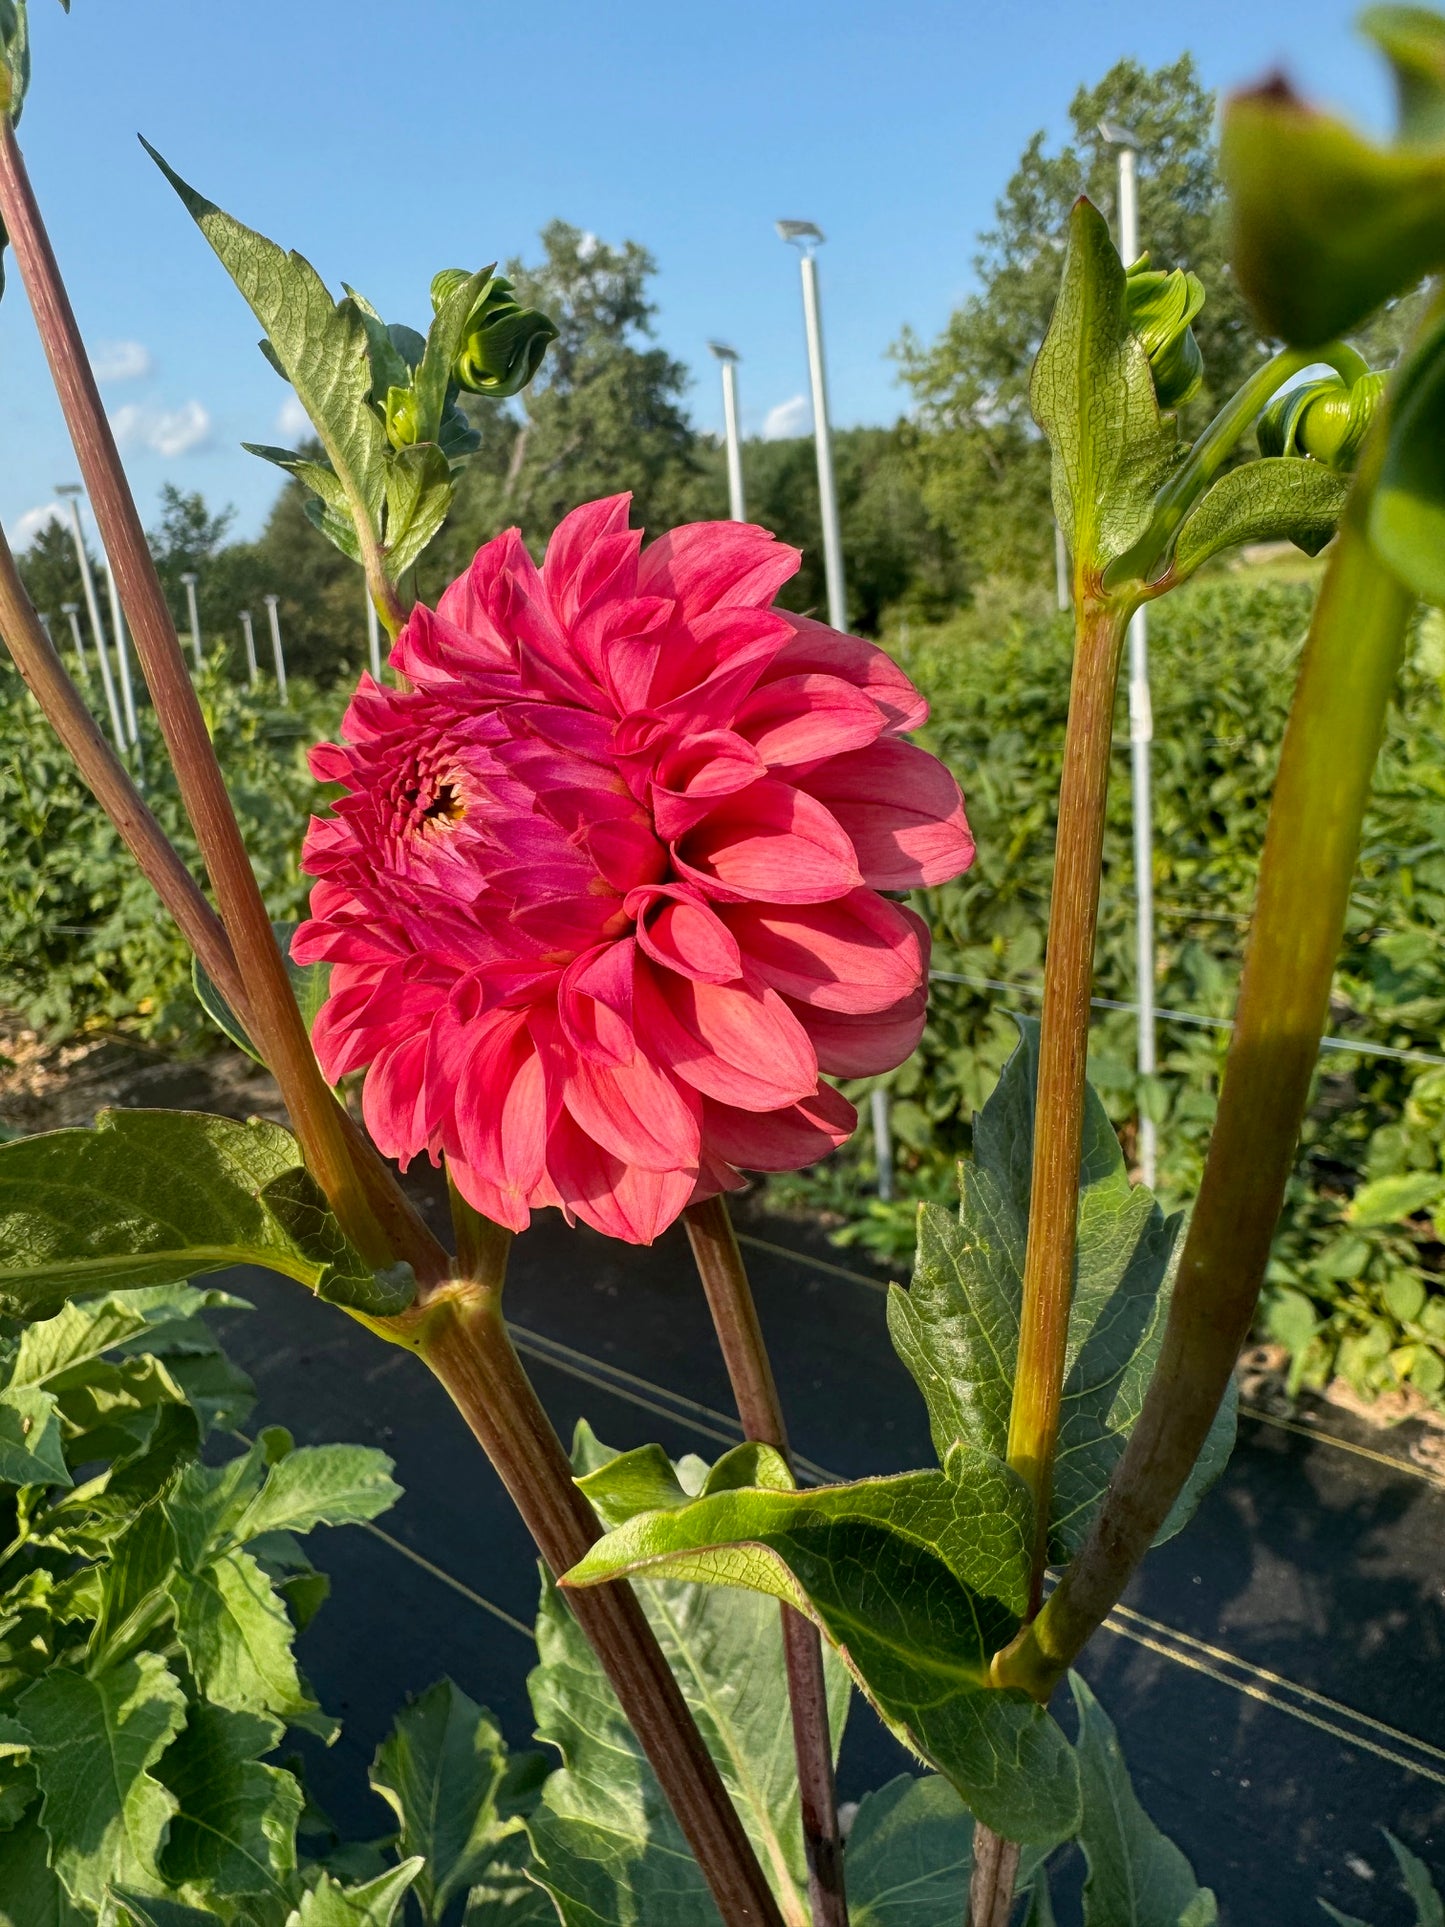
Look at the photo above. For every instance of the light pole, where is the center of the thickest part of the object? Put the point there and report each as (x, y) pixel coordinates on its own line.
(71, 610)
(373, 638)
(729, 359)
(69, 492)
(807, 238)
(250, 639)
(122, 656)
(1141, 722)
(271, 602)
(190, 580)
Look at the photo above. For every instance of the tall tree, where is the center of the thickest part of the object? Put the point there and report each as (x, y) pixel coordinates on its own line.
(984, 468)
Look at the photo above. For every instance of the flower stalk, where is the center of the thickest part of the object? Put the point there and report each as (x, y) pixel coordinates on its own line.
(735, 1319)
(380, 1225)
(1336, 722)
(462, 1338)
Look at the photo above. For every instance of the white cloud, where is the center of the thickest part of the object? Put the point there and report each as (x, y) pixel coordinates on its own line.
(121, 361)
(292, 421)
(164, 431)
(27, 526)
(789, 418)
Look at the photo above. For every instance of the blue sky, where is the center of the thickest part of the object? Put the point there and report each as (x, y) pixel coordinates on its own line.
(385, 141)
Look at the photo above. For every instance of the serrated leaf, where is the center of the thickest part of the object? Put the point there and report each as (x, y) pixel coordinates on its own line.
(319, 344)
(1407, 506)
(31, 1894)
(956, 1326)
(320, 1485)
(1429, 1910)
(1136, 1877)
(1280, 498)
(311, 983)
(95, 1740)
(150, 1198)
(235, 1831)
(135, 1583)
(441, 1770)
(31, 1451)
(144, 1910)
(329, 1904)
(1092, 393)
(419, 493)
(54, 1352)
(917, 1580)
(505, 1897)
(605, 1841)
(237, 1637)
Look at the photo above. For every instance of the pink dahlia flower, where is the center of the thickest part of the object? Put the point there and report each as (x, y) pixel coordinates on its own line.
(601, 897)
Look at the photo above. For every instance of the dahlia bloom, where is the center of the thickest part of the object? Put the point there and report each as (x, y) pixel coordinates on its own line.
(601, 898)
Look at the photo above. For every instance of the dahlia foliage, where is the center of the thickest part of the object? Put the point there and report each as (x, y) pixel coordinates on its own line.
(602, 895)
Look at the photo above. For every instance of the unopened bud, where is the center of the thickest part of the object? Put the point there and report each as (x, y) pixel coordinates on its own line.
(503, 343)
(1161, 308)
(402, 420)
(1327, 419)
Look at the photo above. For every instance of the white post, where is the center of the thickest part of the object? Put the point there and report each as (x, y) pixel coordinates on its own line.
(1061, 569)
(728, 358)
(194, 614)
(373, 637)
(122, 656)
(71, 610)
(878, 1108)
(251, 670)
(827, 492)
(271, 602)
(1141, 735)
(92, 608)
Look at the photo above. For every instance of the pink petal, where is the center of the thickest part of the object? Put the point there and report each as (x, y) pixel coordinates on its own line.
(801, 719)
(817, 647)
(691, 778)
(636, 1111)
(773, 843)
(619, 1200)
(585, 551)
(858, 954)
(785, 1140)
(709, 565)
(504, 1207)
(867, 1045)
(739, 1043)
(679, 930)
(903, 811)
(391, 1100)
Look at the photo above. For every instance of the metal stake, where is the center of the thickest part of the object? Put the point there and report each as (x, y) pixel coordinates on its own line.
(70, 492)
(271, 602)
(190, 580)
(251, 669)
(122, 656)
(729, 359)
(807, 237)
(72, 611)
(373, 637)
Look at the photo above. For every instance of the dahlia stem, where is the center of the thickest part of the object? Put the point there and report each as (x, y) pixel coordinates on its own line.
(156, 857)
(1336, 722)
(735, 1319)
(995, 1869)
(462, 1337)
(1048, 1283)
(370, 1208)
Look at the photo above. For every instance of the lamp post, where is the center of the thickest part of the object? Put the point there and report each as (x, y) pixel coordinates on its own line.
(122, 656)
(807, 238)
(729, 360)
(71, 611)
(250, 640)
(190, 579)
(373, 638)
(1141, 721)
(69, 492)
(279, 659)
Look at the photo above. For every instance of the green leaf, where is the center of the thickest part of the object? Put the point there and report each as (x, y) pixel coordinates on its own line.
(321, 1485)
(432, 381)
(910, 1855)
(320, 346)
(1093, 395)
(153, 1197)
(94, 1741)
(1280, 498)
(1429, 1911)
(329, 1904)
(30, 1892)
(605, 1842)
(143, 1910)
(505, 1897)
(56, 1353)
(917, 1580)
(441, 1770)
(15, 60)
(1390, 1199)
(1136, 1877)
(1327, 225)
(956, 1327)
(1041, 1904)
(234, 1834)
(135, 1582)
(310, 982)
(31, 1452)
(237, 1637)
(1407, 507)
(419, 493)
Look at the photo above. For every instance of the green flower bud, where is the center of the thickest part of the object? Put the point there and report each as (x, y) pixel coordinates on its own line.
(503, 343)
(1161, 307)
(402, 421)
(1325, 419)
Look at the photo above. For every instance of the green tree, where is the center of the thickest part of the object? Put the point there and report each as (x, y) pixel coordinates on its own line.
(984, 468)
(52, 576)
(605, 414)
